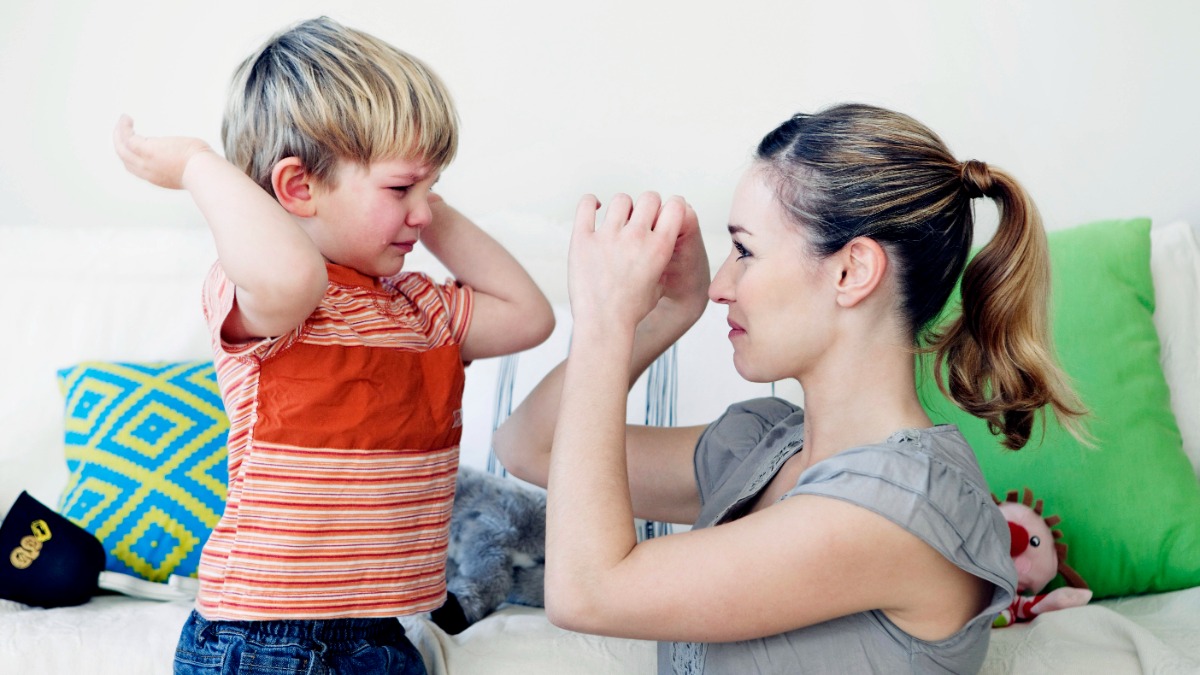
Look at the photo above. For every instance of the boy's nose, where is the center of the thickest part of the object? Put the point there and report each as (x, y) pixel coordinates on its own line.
(420, 216)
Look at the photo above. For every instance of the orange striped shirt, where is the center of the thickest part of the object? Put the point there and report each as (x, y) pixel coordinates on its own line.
(343, 449)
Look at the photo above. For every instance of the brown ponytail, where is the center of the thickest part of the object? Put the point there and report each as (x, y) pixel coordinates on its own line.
(860, 171)
(997, 354)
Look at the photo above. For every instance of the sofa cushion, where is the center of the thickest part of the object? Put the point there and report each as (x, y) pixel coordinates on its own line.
(87, 292)
(145, 448)
(1130, 505)
(1175, 264)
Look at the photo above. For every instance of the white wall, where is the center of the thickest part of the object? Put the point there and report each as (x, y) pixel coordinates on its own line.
(1092, 104)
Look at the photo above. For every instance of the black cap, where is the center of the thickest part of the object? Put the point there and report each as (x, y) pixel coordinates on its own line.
(45, 559)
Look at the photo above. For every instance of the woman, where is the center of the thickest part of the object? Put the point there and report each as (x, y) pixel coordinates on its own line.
(853, 535)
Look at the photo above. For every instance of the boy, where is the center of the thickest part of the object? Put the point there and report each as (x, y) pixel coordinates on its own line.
(342, 377)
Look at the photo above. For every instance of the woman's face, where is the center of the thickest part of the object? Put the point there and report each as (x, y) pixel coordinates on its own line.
(780, 296)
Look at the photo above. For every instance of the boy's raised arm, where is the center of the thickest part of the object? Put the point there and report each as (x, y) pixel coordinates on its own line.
(278, 271)
(511, 313)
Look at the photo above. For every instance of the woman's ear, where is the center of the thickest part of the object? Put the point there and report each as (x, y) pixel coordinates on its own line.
(293, 184)
(863, 265)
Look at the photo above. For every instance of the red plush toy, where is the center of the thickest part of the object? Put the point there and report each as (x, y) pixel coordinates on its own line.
(1039, 557)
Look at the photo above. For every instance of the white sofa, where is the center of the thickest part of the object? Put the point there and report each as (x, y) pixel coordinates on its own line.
(133, 295)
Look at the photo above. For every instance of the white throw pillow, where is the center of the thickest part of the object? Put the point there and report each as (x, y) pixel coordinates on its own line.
(1175, 267)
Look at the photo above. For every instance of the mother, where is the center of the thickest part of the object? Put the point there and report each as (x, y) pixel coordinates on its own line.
(854, 535)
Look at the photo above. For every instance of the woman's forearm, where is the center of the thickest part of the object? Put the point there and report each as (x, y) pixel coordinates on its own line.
(588, 511)
(523, 442)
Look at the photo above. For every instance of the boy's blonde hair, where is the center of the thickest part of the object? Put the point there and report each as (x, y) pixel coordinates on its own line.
(323, 92)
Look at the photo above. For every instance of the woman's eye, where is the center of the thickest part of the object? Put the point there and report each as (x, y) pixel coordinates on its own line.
(741, 250)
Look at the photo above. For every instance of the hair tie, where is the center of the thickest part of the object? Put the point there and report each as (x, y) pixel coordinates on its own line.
(976, 178)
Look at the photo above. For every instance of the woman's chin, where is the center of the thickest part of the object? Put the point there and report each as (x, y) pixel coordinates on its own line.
(749, 373)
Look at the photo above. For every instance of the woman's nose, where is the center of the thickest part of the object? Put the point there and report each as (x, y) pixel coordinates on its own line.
(721, 289)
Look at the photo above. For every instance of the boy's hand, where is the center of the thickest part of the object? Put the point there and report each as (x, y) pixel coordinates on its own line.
(161, 160)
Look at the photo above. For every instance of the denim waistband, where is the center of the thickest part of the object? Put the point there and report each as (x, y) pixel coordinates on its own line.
(323, 630)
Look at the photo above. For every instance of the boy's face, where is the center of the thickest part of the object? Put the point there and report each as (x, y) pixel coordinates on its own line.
(373, 216)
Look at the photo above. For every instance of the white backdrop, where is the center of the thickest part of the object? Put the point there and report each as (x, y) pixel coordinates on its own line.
(1091, 103)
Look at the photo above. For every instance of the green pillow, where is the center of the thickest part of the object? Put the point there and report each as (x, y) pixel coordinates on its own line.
(145, 447)
(1130, 506)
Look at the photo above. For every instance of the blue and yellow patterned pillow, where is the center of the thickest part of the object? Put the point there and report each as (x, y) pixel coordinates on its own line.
(145, 447)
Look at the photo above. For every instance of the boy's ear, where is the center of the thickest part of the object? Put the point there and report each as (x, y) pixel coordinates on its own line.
(293, 185)
(863, 263)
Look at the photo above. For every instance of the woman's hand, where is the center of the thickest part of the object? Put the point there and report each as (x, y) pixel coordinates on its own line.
(160, 161)
(685, 280)
(661, 478)
(620, 269)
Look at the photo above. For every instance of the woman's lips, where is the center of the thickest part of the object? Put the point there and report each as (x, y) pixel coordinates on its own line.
(735, 329)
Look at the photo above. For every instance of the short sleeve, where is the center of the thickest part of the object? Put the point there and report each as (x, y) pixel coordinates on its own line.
(217, 300)
(724, 446)
(459, 300)
(938, 502)
(449, 305)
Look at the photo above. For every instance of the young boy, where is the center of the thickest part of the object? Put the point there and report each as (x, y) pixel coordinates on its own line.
(341, 376)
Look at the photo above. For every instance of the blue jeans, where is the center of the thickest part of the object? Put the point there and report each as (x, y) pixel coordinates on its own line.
(341, 646)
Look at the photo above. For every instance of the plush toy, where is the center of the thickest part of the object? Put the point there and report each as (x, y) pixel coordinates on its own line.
(1038, 557)
(497, 548)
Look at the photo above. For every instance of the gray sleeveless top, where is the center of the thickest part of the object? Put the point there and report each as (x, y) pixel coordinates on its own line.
(925, 480)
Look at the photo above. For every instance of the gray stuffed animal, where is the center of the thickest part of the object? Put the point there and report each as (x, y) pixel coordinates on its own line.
(497, 548)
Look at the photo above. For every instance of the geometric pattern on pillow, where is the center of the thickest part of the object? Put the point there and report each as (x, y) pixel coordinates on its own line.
(145, 448)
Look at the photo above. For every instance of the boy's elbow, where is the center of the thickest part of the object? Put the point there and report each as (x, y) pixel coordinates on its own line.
(535, 325)
(545, 324)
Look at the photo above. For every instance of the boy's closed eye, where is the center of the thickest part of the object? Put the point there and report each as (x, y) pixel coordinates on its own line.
(404, 187)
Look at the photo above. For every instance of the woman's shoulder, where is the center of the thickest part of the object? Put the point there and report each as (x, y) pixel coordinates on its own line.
(915, 460)
(943, 446)
(744, 424)
(736, 443)
(770, 409)
(927, 481)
